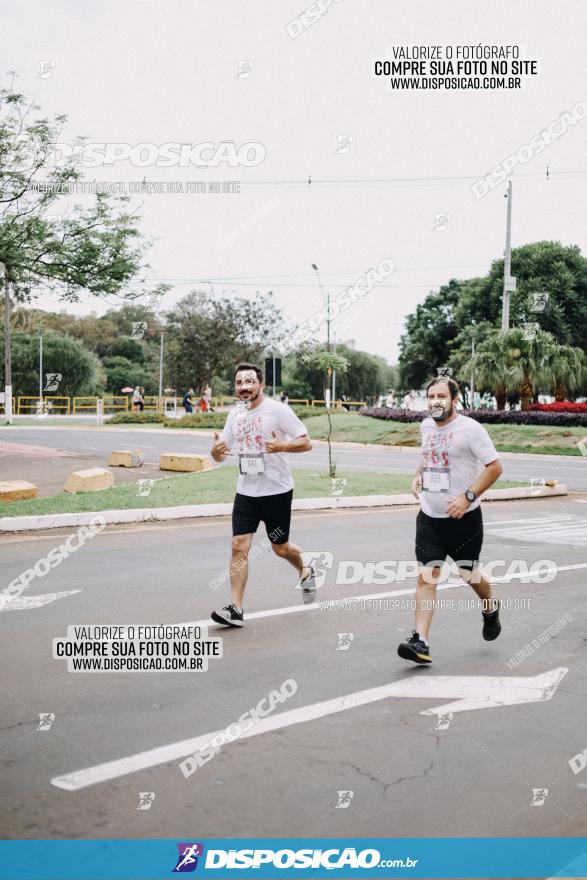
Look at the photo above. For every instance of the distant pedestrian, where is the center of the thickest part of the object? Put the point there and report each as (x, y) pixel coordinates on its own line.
(284, 397)
(141, 400)
(390, 400)
(208, 397)
(188, 401)
(136, 398)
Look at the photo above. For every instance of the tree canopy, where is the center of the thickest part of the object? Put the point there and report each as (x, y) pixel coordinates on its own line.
(461, 310)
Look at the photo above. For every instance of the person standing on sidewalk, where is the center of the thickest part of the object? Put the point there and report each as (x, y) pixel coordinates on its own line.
(259, 432)
(459, 463)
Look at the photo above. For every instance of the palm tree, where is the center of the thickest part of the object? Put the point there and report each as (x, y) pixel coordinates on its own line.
(569, 369)
(489, 366)
(516, 361)
(530, 358)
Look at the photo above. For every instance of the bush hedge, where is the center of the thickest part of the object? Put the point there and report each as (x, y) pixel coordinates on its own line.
(136, 418)
(488, 416)
(212, 420)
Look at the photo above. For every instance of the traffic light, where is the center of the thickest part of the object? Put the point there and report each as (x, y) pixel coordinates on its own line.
(269, 372)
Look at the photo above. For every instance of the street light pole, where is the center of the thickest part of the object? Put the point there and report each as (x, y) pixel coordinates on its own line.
(325, 299)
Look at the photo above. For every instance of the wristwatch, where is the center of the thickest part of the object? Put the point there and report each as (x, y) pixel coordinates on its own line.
(470, 496)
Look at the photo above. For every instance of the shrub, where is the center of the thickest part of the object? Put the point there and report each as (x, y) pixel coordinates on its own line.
(488, 416)
(306, 412)
(213, 420)
(136, 418)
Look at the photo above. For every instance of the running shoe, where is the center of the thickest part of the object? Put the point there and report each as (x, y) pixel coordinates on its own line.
(309, 582)
(415, 649)
(229, 616)
(491, 624)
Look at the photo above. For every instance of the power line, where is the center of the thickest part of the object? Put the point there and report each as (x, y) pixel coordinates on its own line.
(310, 183)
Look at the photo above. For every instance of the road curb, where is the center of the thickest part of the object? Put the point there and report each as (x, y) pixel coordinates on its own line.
(197, 511)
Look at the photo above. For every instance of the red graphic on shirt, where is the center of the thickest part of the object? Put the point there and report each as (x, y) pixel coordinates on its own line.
(249, 434)
(435, 450)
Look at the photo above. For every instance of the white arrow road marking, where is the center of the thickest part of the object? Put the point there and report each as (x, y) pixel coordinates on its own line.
(475, 692)
(22, 603)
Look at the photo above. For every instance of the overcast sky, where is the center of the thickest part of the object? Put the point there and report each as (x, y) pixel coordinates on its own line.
(155, 72)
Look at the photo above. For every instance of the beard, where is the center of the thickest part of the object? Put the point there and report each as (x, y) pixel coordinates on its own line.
(249, 397)
(440, 412)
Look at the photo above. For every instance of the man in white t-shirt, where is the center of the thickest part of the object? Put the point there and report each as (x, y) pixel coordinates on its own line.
(459, 463)
(258, 433)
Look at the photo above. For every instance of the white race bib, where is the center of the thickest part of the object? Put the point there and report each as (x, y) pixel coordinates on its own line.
(435, 479)
(252, 464)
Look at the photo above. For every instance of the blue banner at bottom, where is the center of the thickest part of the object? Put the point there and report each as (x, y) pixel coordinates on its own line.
(294, 857)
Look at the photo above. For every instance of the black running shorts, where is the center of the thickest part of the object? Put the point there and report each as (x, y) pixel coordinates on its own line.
(273, 510)
(461, 539)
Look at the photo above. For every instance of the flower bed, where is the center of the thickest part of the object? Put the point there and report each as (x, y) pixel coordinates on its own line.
(488, 416)
(559, 406)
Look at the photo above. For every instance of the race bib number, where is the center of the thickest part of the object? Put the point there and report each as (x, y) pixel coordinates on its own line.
(252, 464)
(435, 479)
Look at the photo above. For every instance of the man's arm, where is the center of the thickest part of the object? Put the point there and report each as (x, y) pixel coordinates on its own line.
(459, 505)
(417, 481)
(487, 478)
(300, 444)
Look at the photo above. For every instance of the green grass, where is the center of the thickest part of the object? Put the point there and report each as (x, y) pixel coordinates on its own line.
(208, 487)
(507, 438)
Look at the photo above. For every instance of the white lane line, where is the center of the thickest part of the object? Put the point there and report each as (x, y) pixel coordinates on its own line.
(318, 606)
(471, 692)
(24, 603)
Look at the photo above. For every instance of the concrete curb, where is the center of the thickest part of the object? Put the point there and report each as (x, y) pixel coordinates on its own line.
(197, 511)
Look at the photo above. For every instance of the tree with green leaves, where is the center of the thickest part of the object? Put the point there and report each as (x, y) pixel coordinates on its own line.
(429, 331)
(326, 361)
(434, 332)
(207, 335)
(79, 369)
(97, 249)
(521, 362)
(368, 376)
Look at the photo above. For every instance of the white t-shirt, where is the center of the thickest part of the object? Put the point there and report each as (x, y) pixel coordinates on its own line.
(453, 457)
(246, 432)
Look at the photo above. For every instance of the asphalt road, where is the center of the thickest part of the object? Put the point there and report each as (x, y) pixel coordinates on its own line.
(100, 442)
(409, 777)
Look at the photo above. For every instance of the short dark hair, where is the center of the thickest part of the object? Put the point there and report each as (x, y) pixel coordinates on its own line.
(452, 385)
(254, 367)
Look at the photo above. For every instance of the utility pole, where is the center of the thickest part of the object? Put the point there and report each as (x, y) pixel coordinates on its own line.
(473, 375)
(41, 371)
(509, 283)
(7, 348)
(161, 372)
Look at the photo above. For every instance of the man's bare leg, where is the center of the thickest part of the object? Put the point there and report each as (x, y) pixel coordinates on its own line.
(293, 554)
(239, 567)
(481, 586)
(425, 592)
